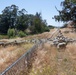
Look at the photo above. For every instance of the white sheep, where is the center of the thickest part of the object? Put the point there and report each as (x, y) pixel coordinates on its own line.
(61, 45)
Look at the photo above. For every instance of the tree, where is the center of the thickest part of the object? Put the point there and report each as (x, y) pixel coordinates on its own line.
(10, 13)
(51, 26)
(68, 12)
(38, 24)
(12, 17)
(8, 18)
(19, 20)
(22, 20)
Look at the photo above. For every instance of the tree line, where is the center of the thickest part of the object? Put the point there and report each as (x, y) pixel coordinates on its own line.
(13, 18)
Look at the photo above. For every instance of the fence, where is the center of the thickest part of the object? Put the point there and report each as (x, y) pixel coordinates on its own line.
(23, 64)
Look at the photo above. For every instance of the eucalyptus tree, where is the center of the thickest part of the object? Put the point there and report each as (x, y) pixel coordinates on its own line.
(12, 17)
(8, 18)
(22, 20)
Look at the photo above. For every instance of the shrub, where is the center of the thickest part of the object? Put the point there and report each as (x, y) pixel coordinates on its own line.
(11, 33)
(21, 34)
(47, 29)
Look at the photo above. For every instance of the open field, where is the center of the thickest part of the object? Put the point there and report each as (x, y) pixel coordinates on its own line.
(10, 54)
(48, 60)
(3, 36)
(45, 35)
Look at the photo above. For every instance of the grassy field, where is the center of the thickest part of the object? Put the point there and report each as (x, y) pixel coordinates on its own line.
(3, 36)
(51, 61)
(48, 60)
(11, 53)
(69, 34)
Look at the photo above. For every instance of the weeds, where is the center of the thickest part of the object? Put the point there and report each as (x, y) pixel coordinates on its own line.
(9, 54)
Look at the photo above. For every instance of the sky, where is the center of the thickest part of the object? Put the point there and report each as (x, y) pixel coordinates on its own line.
(46, 7)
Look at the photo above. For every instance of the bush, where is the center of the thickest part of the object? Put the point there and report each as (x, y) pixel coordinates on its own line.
(11, 33)
(21, 34)
(47, 29)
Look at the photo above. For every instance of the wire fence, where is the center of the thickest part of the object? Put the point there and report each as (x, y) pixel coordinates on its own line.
(23, 64)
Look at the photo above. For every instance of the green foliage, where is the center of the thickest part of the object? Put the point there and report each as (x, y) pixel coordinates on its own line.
(51, 26)
(13, 18)
(11, 33)
(39, 25)
(47, 29)
(68, 12)
(10, 17)
(21, 34)
(22, 22)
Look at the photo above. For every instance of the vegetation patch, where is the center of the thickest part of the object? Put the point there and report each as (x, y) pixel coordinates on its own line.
(10, 54)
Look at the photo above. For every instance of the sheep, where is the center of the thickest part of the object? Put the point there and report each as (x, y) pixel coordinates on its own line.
(61, 45)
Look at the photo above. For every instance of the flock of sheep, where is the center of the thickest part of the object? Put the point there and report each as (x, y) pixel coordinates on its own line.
(58, 41)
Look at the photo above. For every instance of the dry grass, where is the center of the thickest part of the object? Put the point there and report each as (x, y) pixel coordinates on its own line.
(50, 61)
(44, 63)
(72, 50)
(39, 36)
(9, 54)
(70, 34)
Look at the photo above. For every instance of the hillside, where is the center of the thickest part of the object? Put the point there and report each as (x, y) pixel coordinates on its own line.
(48, 59)
(51, 61)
